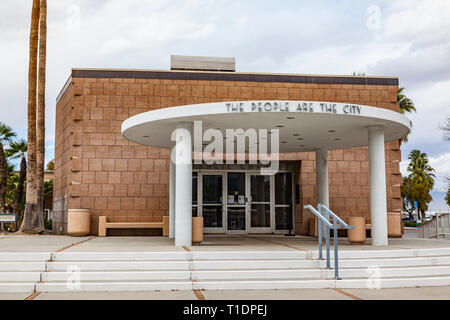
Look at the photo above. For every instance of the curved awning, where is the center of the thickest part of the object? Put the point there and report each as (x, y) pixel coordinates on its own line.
(303, 125)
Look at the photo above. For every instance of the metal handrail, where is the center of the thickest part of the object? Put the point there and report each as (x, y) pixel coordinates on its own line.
(323, 215)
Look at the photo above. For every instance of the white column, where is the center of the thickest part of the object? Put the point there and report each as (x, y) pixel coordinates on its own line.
(172, 195)
(322, 194)
(378, 205)
(322, 177)
(183, 186)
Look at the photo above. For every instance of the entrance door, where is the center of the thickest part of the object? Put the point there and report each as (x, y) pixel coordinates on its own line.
(236, 203)
(260, 215)
(212, 202)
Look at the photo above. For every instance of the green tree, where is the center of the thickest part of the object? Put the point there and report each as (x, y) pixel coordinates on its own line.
(18, 150)
(6, 136)
(51, 165)
(421, 181)
(407, 196)
(406, 106)
(447, 197)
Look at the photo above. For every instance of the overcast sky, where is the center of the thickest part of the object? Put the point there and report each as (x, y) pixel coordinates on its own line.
(405, 38)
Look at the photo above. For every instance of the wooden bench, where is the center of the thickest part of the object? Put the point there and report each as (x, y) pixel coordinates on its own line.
(103, 225)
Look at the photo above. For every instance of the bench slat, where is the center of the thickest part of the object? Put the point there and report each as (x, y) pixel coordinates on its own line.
(131, 225)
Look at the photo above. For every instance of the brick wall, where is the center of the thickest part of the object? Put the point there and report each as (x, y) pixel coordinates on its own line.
(97, 169)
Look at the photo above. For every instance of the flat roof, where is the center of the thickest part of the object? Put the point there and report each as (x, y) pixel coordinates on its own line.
(229, 76)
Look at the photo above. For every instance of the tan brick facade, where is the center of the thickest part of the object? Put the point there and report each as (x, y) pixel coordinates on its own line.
(97, 169)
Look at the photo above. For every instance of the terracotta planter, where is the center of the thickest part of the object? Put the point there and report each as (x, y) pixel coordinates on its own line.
(357, 235)
(394, 225)
(197, 230)
(79, 222)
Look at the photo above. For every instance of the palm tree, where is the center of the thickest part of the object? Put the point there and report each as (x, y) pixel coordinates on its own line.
(6, 135)
(406, 106)
(421, 171)
(40, 156)
(33, 221)
(18, 150)
(422, 179)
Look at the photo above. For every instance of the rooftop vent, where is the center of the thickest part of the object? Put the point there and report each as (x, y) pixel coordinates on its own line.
(203, 63)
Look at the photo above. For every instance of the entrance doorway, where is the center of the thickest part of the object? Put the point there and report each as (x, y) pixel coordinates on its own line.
(243, 202)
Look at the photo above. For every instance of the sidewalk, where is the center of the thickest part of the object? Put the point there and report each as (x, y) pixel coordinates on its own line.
(435, 293)
(22, 243)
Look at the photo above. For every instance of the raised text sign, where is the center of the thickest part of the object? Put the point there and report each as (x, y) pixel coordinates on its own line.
(294, 106)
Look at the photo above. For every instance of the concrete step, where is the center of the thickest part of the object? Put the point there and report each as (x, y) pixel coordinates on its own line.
(119, 265)
(22, 266)
(17, 287)
(242, 264)
(373, 254)
(25, 257)
(180, 256)
(317, 274)
(121, 256)
(6, 277)
(119, 276)
(244, 285)
(384, 273)
(390, 262)
(117, 286)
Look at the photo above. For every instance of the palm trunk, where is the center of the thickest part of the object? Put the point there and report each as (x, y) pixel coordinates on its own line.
(40, 156)
(21, 185)
(33, 221)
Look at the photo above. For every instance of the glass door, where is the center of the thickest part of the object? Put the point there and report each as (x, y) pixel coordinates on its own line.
(212, 202)
(283, 202)
(236, 203)
(260, 215)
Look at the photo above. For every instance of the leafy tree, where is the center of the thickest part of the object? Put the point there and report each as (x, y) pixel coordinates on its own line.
(18, 150)
(420, 182)
(408, 201)
(51, 165)
(447, 197)
(406, 106)
(6, 135)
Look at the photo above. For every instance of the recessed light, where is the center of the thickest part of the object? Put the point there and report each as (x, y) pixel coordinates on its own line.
(280, 126)
(145, 136)
(332, 131)
(296, 135)
(300, 139)
(302, 145)
(337, 139)
(290, 118)
(284, 142)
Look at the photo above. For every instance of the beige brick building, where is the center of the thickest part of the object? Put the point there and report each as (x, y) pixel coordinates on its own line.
(97, 169)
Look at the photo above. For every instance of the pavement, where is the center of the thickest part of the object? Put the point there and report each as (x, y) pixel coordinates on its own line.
(49, 243)
(434, 293)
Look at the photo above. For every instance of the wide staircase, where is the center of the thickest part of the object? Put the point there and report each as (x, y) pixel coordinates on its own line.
(220, 270)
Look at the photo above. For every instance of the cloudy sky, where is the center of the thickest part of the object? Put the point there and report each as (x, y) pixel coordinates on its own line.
(405, 38)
